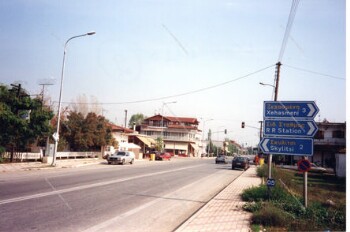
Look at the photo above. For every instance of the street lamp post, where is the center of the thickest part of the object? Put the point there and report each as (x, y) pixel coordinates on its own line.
(56, 135)
(270, 156)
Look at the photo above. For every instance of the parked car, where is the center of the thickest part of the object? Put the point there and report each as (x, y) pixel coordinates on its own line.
(182, 155)
(221, 159)
(314, 168)
(163, 156)
(121, 157)
(318, 169)
(240, 162)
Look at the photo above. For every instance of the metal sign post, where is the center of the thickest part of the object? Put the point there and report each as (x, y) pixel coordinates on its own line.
(305, 186)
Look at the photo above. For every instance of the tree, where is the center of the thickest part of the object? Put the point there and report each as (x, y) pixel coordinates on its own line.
(23, 120)
(88, 133)
(159, 144)
(137, 119)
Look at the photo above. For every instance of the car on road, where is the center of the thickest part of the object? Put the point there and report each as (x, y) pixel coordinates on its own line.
(221, 159)
(163, 156)
(121, 157)
(240, 162)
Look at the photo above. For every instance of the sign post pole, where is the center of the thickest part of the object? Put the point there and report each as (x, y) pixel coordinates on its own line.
(305, 186)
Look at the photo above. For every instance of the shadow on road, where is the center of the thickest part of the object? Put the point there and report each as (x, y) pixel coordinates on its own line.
(165, 198)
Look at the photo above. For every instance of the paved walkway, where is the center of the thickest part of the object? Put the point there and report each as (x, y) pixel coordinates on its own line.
(224, 212)
(64, 163)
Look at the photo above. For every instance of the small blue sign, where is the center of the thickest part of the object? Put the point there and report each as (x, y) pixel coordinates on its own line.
(287, 146)
(290, 109)
(270, 182)
(290, 128)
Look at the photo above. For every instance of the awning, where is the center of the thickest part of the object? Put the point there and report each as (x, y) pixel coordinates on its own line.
(146, 140)
(194, 146)
(176, 146)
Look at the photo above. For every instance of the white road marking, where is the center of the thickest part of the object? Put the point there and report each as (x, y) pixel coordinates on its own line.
(79, 188)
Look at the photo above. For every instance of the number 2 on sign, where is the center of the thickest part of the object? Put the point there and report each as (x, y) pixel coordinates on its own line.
(301, 146)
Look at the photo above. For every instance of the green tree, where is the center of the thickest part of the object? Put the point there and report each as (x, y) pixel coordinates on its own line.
(159, 144)
(86, 134)
(23, 120)
(136, 119)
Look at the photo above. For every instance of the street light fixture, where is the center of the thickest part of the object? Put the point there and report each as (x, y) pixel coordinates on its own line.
(56, 135)
(270, 156)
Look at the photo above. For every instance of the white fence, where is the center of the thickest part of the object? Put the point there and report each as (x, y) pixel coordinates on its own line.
(26, 156)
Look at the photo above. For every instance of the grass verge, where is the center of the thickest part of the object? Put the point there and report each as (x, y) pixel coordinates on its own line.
(283, 207)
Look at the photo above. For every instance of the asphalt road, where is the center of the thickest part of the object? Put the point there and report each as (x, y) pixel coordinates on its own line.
(146, 196)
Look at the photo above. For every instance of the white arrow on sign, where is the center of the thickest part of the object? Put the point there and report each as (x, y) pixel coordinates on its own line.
(312, 109)
(55, 136)
(264, 145)
(312, 128)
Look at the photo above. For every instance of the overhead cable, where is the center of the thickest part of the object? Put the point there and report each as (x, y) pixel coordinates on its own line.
(318, 73)
(291, 17)
(182, 94)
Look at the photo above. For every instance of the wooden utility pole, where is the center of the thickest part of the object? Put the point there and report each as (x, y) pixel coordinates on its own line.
(277, 73)
(126, 116)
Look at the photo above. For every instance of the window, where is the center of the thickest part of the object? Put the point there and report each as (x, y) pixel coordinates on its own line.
(338, 134)
(319, 135)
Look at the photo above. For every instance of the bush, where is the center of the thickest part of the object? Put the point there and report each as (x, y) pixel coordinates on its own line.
(255, 194)
(253, 206)
(280, 210)
(269, 215)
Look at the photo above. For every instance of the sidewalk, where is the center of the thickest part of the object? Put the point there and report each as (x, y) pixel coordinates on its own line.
(224, 212)
(64, 163)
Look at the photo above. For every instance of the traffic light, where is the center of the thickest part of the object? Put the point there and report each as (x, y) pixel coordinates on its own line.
(243, 124)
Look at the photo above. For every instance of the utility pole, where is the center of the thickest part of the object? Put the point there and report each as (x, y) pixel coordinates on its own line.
(126, 116)
(277, 73)
(43, 83)
(278, 68)
(261, 125)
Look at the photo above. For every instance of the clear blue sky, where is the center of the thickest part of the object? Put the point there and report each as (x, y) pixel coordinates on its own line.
(154, 49)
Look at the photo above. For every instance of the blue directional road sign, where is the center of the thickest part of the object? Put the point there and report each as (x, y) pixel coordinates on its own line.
(290, 109)
(294, 128)
(287, 146)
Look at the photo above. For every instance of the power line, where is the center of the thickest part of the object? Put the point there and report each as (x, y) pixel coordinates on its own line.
(291, 17)
(181, 94)
(313, 72)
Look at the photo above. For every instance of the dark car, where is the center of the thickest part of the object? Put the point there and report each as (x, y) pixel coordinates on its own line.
(163, 156)
(221, 159)
(240, 162)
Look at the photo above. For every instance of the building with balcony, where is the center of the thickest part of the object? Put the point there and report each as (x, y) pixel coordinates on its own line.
(180, 135)
(330, 145)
